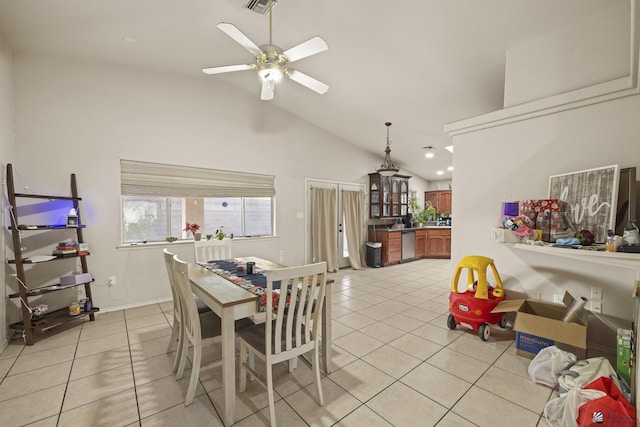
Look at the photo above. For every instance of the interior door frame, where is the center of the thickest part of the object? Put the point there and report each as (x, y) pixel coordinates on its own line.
(325, 183)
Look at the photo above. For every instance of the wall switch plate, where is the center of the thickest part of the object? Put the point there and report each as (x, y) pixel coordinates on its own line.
(596, 293)
(111, 280)
(596, 306)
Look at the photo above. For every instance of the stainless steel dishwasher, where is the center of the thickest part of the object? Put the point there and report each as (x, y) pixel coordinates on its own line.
(408, 245)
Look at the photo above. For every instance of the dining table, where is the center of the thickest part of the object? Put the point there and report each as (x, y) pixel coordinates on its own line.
(230, 301)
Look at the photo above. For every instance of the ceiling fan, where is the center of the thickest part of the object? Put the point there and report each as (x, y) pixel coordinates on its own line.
(271, 61)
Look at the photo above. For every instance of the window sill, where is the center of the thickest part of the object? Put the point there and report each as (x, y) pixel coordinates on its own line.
(184, 242)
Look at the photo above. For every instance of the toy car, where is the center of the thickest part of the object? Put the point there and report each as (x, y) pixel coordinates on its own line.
(472, 308)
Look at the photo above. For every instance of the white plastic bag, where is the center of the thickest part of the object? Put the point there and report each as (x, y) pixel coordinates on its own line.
(585, 371)
(563, 411)
(546, 367)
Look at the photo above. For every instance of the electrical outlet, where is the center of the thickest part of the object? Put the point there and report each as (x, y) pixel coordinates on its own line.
(111, 280)
(596, 293)
(557, 298)
(596, 306)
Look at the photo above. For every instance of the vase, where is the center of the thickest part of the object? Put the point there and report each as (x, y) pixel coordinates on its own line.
(197, 236)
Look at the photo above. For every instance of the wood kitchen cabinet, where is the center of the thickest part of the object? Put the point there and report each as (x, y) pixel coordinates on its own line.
(388, 196)
(391, 245)
(438, 243)
(440, 199)
(421, 243)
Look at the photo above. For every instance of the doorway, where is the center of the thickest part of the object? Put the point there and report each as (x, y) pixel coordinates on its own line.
(341, 249)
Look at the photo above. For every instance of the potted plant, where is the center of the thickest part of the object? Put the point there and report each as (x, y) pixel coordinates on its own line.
(193, 228)
(220, 234)
(416, 211)
(430, 212)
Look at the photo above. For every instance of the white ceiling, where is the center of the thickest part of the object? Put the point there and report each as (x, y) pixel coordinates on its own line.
(416, 63)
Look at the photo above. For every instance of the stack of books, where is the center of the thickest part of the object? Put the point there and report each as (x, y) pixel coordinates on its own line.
(83, 249)
(65, 248)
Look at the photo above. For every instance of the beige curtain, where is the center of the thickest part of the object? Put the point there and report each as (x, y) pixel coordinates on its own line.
(353, 210)
(324, 227)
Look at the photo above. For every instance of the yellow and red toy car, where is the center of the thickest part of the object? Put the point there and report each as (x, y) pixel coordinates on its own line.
(472, 308)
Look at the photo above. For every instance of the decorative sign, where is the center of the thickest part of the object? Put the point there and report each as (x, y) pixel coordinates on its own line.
(591, 196)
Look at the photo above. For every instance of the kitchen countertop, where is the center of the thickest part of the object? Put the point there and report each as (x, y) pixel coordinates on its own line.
(430, 227)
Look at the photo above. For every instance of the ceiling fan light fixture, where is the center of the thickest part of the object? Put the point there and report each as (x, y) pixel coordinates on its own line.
(387, 168)
(270, 60)
(270, 72)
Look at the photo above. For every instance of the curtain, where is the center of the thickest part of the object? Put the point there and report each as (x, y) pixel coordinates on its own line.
(324, 227)
(157, 179)
(353, 210)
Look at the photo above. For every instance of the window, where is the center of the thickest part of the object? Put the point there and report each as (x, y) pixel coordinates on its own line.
(158, 199)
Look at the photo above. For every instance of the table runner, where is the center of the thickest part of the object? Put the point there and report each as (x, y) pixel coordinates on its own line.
(256, 282)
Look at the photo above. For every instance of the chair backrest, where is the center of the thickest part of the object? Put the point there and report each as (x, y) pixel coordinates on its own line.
(209, 250)
(190, 317)
(299, 304)
(168, 260)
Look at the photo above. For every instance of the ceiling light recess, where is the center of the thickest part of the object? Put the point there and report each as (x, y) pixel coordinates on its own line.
(387, 168)
(429, 154)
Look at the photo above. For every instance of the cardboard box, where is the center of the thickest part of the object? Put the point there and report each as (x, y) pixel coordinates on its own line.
(76, 279)
(539, 324)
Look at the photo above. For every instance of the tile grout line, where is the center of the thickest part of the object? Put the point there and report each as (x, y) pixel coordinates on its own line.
(133, 375)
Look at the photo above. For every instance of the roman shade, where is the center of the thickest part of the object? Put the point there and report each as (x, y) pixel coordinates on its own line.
(158, 179)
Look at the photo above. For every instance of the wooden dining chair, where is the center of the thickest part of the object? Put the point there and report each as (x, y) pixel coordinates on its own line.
(198, 329)
(175, 341)
(209, 250)
(290, 329)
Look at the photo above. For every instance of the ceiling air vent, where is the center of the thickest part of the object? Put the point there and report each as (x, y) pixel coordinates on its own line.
(260, 6)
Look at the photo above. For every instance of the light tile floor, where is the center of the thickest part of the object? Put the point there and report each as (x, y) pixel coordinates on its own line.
(396, 364)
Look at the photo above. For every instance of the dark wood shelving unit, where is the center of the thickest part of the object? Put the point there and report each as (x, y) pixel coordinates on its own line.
(47, 289)
(32, 324)
(52, 319)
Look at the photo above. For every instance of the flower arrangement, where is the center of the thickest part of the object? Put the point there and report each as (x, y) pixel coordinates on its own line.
(193, 228)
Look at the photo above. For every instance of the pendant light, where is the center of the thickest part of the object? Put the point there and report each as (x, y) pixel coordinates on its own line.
(387, 168)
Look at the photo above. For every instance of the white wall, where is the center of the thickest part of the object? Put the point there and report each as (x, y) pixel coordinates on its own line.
(517, 160)
(584, 53)
(83, 117)
(6, 156)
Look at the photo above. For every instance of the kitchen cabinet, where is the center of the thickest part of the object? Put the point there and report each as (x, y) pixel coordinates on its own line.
(421, 243)
(388, 196)
(440, 199)
(438, 243)
(391, 245)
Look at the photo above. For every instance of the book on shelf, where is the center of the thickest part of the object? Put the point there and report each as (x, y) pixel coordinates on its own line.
(64, 252)
(83, 248)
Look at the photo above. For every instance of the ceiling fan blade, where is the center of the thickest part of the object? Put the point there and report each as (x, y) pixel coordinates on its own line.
(305, 80)
(268, 86)
(228, 68)
(238, 36)
(308, 48)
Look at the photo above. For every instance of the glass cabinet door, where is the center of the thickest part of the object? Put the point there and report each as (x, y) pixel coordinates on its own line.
(388, 196)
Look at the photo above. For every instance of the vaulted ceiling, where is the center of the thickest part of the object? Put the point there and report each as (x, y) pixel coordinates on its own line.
(416, 63)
